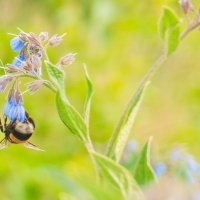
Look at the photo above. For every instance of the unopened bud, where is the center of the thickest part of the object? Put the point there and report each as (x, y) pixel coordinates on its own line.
(67, 59)
(186, 6)
(44, 36)
(4, 81)
(35, 85)
(11, 68)
(55, 40)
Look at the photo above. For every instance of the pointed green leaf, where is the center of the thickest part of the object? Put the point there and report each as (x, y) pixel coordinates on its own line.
(167, 21)
(123, 128)
(70, 117)
(118, 176)
(68, 114)
(169, 30)
(173, 39)
(88, 97)
(144, 173)
(56, 75)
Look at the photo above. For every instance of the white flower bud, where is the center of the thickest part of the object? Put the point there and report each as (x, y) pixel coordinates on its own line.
(44, 36)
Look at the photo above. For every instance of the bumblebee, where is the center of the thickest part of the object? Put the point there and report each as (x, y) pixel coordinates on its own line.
(18, 132)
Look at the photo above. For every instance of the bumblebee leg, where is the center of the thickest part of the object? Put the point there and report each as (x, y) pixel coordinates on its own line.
(1, 126)
(5, 121)
(29, 119)
(14, 121)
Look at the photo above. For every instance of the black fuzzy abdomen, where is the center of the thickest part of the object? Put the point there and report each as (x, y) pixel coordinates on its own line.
(21, 136)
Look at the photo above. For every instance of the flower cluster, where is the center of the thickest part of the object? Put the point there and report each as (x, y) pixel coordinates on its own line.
(31, 49)
(30, 53)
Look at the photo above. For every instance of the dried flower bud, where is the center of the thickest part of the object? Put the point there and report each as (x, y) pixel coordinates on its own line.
(11, 68)
(35, 85)
(186, 6)
(18, 97)
(55, 40)
(34, 50)
(33, 65)
(4, 81)
(30, 38)
(44, 36)
(67, 59)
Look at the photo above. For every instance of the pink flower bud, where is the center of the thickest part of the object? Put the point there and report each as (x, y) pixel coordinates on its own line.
(44, 36)
(55, 40)
(186, 6)
(4, 81)
(67, 59)
(35, 85)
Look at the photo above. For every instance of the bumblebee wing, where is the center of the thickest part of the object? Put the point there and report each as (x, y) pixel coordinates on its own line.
(32, 146)
(3, 144)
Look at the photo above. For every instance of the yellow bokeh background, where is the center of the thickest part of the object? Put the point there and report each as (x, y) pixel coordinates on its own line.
(118, 40)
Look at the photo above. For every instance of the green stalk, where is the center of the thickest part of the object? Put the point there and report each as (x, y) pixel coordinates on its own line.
(147, 77)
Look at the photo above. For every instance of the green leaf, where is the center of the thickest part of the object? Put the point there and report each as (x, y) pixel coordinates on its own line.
(122, 131)
(173, 39)
(70, 117)
(118, 176)
(56, 75)
(144, 173)
(88, 97)
(68, 114)
(169, 30)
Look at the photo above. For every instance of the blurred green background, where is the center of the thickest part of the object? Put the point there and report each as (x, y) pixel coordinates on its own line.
(118, 40)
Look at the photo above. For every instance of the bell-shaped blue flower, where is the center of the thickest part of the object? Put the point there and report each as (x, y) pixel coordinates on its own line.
(14, 109)
(17, 62)
(17, 44)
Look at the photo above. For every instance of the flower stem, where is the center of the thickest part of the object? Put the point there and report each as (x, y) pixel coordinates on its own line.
(148, 76)
(47, 84)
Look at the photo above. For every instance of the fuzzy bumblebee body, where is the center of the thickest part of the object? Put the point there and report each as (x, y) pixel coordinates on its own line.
(18, 132)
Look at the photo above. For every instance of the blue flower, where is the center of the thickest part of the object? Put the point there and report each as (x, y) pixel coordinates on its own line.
(160, 168)
(192, 163)
(17, 44)
(17, 62)
(15, 110)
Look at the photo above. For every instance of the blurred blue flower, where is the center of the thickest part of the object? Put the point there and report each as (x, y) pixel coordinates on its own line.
(132, 146)
(17, 62)
(160, 168)
(17, 44)
(14, 108)
(189, 176)
(191, 163)
(196, 195)
(175, 155)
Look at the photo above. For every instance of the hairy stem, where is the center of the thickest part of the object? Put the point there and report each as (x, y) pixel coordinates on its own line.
(47, 84)
(148, 76)
(87, 143)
